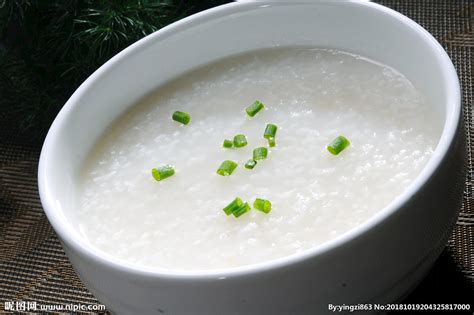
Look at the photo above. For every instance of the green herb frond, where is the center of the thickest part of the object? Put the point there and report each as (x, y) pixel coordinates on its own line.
(48, 48)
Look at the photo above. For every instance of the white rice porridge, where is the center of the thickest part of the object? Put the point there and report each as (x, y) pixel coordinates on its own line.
(312, 95)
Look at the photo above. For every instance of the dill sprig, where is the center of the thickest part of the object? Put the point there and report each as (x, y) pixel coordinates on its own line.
(48, 48)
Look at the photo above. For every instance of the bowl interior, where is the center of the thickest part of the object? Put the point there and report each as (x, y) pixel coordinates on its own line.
(362, 28)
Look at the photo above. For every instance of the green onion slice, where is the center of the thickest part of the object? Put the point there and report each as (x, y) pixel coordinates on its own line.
(271, 142)
(250, 164)
(240, 141)
(260, 153)
(253, 109)
(234, 205)
(162, 172)
(181, 117)
(226, 168)
(262, 205)
(228, 143)
(270, 131)
(338, 145)
(241, 210)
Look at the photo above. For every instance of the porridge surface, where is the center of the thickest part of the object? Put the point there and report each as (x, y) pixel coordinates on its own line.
(313, 96)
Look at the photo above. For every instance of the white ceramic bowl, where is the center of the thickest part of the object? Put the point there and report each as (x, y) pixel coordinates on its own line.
(379, 261)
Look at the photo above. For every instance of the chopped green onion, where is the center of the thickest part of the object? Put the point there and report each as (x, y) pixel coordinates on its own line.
(226, 168)
(240, 141)
(181, 117)
(243, 209)
(338, 145)
(271, 142)
(270, 131)
(234, 205)
(262, 205)
(228, 143)
(253, 109)
(260, 153)
(162, 172)
(250, 164)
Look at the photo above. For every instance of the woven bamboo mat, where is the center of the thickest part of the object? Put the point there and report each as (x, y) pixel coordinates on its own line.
(33, 266)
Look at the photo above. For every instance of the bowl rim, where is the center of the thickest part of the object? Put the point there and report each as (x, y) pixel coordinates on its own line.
(79, 244)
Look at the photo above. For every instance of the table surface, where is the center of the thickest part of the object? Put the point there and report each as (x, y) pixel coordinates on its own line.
(33, 266)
